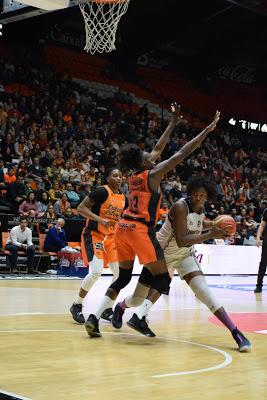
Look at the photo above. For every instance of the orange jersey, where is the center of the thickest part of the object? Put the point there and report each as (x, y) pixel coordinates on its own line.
(144, 204)
(108, 205)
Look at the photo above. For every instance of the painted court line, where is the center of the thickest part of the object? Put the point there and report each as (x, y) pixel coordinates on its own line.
(264, 331)
(227, 358)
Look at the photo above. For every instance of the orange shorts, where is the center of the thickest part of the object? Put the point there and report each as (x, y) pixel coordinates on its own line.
(99, 245)
(135, 238)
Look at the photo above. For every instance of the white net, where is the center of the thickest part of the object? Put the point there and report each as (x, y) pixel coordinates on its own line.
(101, 22)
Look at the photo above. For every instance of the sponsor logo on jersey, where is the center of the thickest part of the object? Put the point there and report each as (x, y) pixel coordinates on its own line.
(99, 246)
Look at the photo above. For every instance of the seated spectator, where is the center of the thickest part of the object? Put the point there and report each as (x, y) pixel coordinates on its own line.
(164, 210)
(84, 192)
(35, 170)
(46, 183)
(241, 236)
(66, 171)
(16, 193)
(43, 203)
(55, 239)
(69, 214)
(2, 175)
(20, 146)
(20, 239)
(55, 192)
(175, 193)
(10, 177)
(242, 196)
(124, 186)
(29, 207)
(22, 168)
(92, 174)
(52, 169)
(73, 197)
(50, 212)
(61, 205)
(28, 186)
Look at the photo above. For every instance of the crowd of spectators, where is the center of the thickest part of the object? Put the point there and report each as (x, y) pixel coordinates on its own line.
(57, 144)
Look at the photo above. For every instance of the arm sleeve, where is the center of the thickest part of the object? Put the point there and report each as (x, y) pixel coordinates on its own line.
(22, 207)
(55, 239)
(29, 238)
(98, 196)
(264, 216)
(13, 238)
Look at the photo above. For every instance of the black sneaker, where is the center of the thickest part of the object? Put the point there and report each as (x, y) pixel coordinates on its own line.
(243, 343)
(140, 325)
(92, 327)
(77, 314)
(107, 314)
(116, 319)
(258, 289)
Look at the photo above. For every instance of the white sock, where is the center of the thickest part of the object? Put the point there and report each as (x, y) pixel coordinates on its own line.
(143, 310)
(105, 303)
(79, 300)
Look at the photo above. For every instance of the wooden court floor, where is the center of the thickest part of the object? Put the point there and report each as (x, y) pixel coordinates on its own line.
(45, 355)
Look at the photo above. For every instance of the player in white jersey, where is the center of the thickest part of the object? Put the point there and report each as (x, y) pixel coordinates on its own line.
(182, 229)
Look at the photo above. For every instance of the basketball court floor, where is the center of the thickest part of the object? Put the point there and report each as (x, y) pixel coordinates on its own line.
(45, 355)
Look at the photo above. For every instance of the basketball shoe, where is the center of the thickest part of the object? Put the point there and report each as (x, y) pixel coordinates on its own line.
(76, 311)
(258, 289)
(107, 314)
(140, 325)
(92, 326)
(243, 343)
(116, 319)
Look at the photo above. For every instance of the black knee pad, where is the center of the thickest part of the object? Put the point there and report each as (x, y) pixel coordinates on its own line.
(161, 282)
(146, 277)
(124, 278)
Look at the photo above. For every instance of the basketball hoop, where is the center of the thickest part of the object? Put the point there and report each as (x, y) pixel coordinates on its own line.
(101, 19)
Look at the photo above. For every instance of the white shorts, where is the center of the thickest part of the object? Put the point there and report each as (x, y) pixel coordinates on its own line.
(183, 264)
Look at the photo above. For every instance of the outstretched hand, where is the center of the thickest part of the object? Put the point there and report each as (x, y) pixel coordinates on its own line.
(212, 126)
(175, 109)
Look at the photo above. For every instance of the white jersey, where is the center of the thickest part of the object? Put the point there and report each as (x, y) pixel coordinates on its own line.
(166, 235)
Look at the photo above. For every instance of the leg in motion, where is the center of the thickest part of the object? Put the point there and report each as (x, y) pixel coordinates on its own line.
(137, 298)
(262, 267)
(108, 312)
(199, 286)
(124, 278)
(159, 283)
(96, 268)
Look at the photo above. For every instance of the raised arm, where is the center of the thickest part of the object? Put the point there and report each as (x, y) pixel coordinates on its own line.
(161, 143)
(165, 166)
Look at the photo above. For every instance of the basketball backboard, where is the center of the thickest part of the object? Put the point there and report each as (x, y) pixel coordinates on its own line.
(48, 5)
(12, 11)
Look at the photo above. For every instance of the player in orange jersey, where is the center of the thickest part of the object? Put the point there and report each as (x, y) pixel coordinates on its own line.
(103, 208)
(135, 233)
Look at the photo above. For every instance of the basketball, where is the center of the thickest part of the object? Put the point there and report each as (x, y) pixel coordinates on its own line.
(226, 222)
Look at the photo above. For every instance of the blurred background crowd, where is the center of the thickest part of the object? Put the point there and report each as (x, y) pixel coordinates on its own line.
(57, 145)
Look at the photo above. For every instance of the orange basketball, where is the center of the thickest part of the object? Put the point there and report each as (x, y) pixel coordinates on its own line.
(226, 222)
